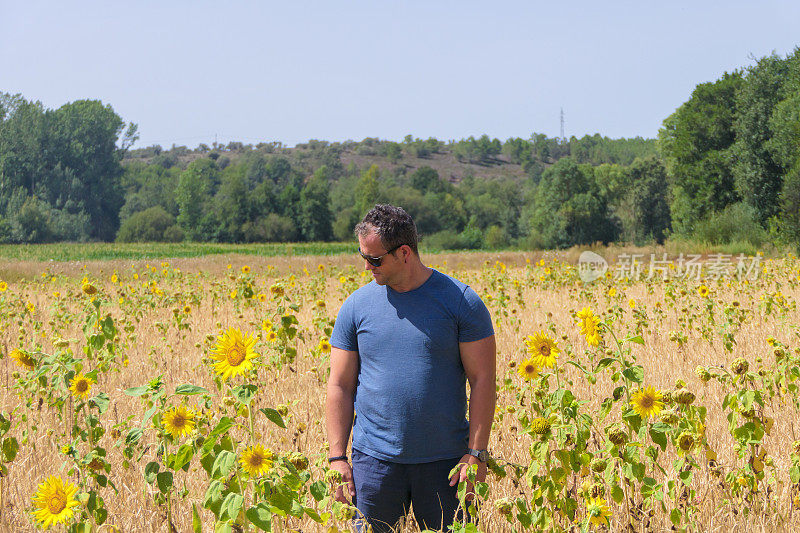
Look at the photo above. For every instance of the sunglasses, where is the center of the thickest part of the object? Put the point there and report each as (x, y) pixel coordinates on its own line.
(376, 261)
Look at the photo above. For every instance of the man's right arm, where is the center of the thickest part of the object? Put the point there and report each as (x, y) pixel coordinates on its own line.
(339, 412)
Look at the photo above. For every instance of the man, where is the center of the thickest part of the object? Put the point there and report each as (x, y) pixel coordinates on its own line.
(403, 347)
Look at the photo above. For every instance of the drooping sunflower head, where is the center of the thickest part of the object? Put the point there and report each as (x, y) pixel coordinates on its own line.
(647, 402)
(276, 290)
(54, 502)
(598, 465)
(256, 460)
(528, 369)
(80, 386)
(668, 416)
(298, 460)
(683, 396)
(542, 349)
(740, 366)
(597, 511)
(686, 442)
(23, 359)
(234, 353)
(702, 373)
(88, 289)
(178, 421)
(617, 436)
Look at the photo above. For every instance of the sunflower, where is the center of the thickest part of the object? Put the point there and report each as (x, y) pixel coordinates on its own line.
(23, 359)
(187, 309)
(88, 289)
(528, 370)
(647, 402)
(234, 353)
(686, 442)
(597, 511)
(631, 303)
(325, 346)
(266, 325)
(276, 290)
(80, 386)
(271, 336)
(589, 326)
(262, 297)
(543, 349)
(540, 426)
(256, 460)
(178, 421)
(702, 290)
(54, 501)
(245, 269)
(3, 286)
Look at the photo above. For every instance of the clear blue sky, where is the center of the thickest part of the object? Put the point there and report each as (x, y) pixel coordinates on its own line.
(293, 71)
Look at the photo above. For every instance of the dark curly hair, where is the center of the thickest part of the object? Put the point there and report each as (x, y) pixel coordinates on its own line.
(393, 225)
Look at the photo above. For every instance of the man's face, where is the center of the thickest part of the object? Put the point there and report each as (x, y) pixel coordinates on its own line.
(371, 245)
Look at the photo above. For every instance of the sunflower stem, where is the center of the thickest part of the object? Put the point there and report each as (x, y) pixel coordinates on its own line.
(619, 360)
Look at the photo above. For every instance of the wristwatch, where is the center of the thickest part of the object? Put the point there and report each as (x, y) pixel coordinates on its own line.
(482, 455)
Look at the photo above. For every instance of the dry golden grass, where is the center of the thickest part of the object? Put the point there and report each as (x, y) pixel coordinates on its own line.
(154, 346)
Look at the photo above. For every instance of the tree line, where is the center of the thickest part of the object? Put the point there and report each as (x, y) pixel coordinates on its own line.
(725, 167)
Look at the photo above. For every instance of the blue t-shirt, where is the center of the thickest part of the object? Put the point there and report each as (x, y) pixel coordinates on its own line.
(411, 399)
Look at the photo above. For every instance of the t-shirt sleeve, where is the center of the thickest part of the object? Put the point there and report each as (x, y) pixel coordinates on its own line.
(344, 329)
(474, 320)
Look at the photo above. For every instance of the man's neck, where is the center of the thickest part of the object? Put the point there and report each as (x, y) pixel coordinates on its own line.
(417, 276)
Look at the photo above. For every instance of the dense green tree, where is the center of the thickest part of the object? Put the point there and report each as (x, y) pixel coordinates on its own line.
(367, 192)
(232, 205)
(695, 143)
(151, 225)
(568, 207)
(425, 179)
(197, 186)
(315, 215)
(790, 206)
(648, 199)
(758, 174)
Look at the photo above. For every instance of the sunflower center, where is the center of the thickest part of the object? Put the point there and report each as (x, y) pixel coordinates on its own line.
(179, 421)
(544, 349)
(236, 355)
(57, 502)
(647, 401)
(256, 460)
(530, 369)
(82, 385)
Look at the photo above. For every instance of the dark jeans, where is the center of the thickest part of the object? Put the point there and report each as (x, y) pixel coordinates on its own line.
(384, 491)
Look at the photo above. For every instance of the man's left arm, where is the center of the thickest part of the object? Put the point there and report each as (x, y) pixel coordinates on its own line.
(479, 360)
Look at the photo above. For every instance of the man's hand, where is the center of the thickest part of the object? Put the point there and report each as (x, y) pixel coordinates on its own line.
(344, 468)
(461, 474)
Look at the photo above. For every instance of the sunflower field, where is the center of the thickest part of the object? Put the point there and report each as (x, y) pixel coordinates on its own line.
(188, 395)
